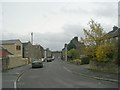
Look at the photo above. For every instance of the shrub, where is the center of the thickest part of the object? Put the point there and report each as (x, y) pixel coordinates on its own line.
(105, 52)
(84, 59)
(77, 61)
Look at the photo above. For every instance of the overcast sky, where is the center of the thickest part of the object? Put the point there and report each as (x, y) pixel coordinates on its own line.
(54, 23)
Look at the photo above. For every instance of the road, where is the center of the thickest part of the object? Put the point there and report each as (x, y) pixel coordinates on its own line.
(56, 74)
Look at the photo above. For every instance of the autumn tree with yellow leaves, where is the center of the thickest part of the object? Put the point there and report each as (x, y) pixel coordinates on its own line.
(94, 40)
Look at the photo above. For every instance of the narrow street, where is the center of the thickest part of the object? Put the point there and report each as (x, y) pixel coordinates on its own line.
(56, 74)
(76, 44)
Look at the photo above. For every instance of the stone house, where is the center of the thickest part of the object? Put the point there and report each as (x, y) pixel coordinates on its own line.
(4, 58)
(27, 50)
(78, 45)
(13, 46)
(56, 54)
(113, 35)
(32, 51)
(38, 52)
(64, 53)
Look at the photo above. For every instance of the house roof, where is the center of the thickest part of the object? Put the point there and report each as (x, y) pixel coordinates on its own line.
(114, 33)
(26, 43)
(3, 49)
(3, 42)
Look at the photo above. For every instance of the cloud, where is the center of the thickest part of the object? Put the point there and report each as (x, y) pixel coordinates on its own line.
(73, 30)
(54, 24)
(54, 41)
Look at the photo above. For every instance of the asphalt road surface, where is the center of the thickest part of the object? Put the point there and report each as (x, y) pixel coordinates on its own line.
(56, 74)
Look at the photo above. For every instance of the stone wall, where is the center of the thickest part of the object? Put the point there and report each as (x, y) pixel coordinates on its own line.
(105, 67)
(16, 61)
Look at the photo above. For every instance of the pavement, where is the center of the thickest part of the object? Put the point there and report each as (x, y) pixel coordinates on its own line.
(85, 71)
(12, 75)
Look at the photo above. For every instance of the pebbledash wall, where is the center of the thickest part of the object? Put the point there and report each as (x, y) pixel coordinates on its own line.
(16, 61)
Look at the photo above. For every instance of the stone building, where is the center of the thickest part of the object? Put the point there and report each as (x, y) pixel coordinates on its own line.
(113, 35)
(27, 50)
(4, 58)
(13, 46)
(38, 52)
(32, 51)
(64, 53)
(56, 54)
(48, 53)
(77, 45)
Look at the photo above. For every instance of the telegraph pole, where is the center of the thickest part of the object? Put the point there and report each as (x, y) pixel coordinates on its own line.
(32, 55)
(66, 52)
(32, 38)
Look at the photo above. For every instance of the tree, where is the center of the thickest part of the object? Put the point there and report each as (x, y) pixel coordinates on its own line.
(73, 54)
(105, 52)
(93, 38)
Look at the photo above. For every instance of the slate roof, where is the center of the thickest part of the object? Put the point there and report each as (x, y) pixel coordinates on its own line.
(114, 33)
(26, 43)
(3, 42)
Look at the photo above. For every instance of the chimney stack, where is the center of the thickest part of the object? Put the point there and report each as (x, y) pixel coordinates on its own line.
(115, 28)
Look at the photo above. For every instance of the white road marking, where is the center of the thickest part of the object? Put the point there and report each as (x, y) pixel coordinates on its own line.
(15, 85)
(67, 69)
(15, 82)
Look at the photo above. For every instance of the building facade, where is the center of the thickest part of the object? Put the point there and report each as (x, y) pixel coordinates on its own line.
(64, 53)
(13, 46)
(38, 52)
(28, 50)
(48, 53)
(15, 58)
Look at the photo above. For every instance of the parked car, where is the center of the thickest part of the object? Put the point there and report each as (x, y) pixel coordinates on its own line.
(37, 63)
(53, 58)
(49, 59)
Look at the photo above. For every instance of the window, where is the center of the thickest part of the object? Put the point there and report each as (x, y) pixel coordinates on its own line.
(18, 47)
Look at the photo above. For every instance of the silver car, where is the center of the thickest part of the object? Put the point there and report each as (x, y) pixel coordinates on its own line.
(37, 63)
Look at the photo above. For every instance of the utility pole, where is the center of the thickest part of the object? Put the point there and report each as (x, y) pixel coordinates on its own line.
(32, 38)
(66, 52)
(45, 54)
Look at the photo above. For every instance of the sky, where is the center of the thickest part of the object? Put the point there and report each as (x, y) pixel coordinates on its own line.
(54, 23)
